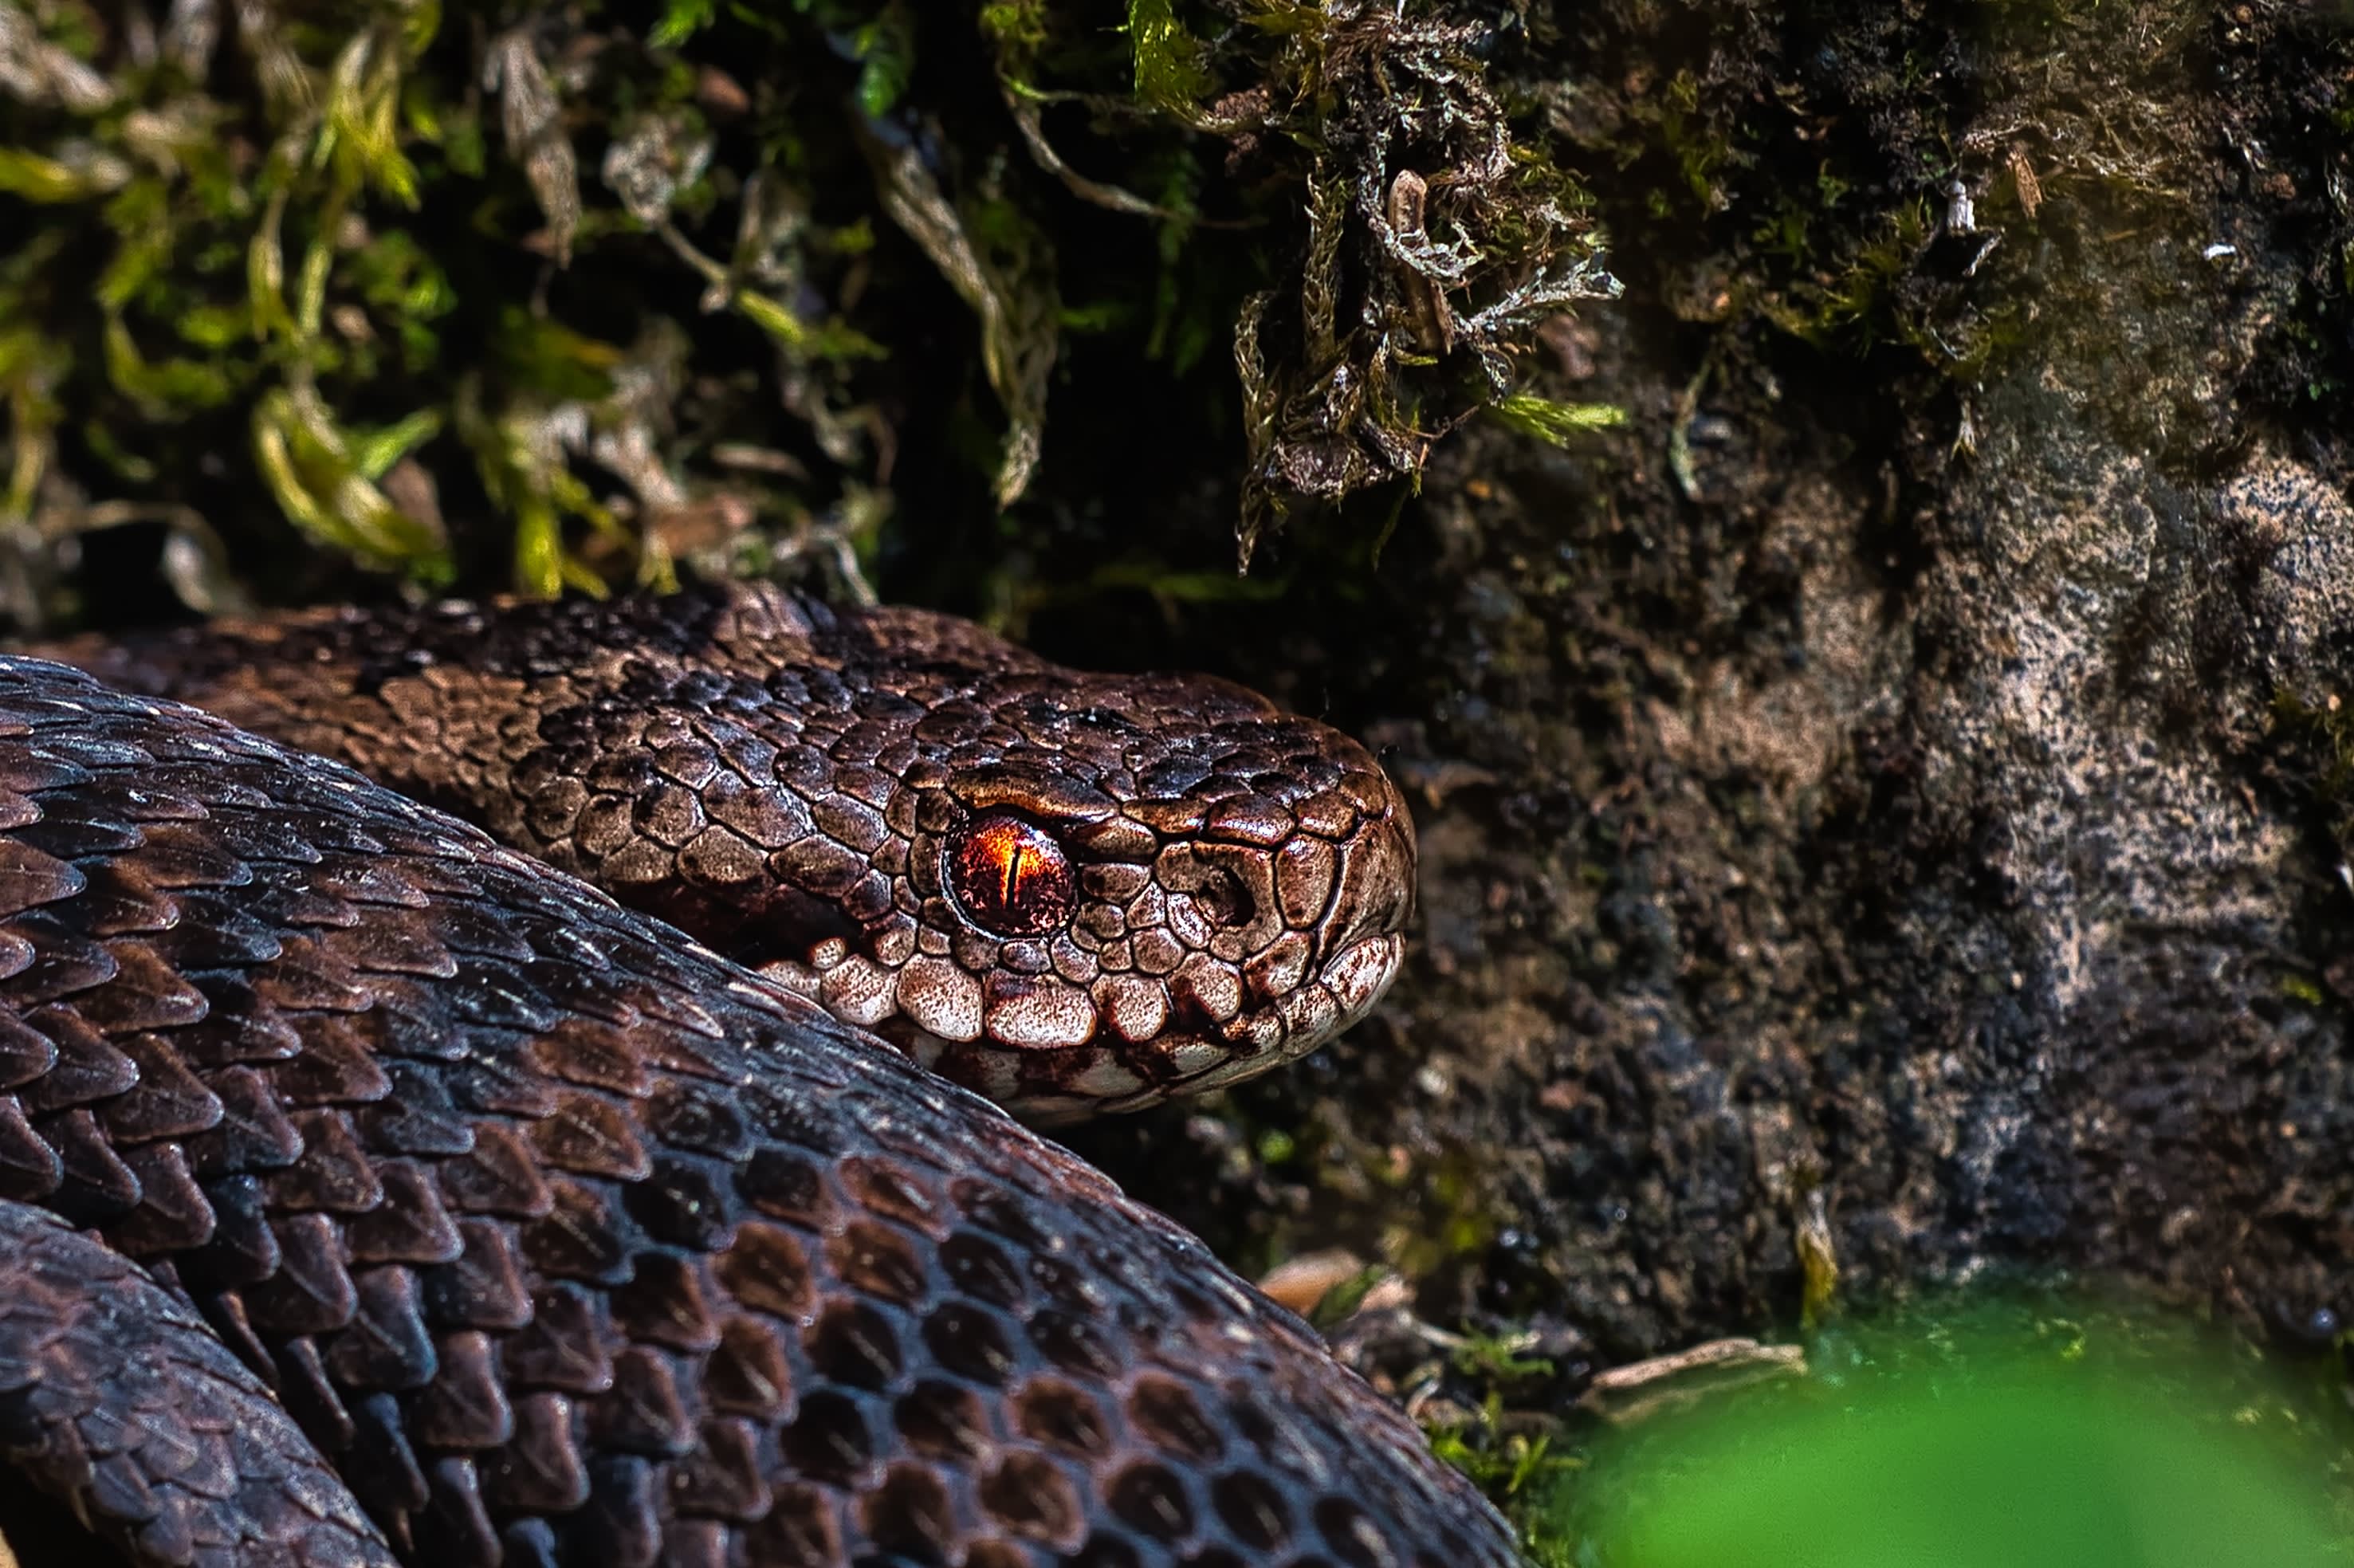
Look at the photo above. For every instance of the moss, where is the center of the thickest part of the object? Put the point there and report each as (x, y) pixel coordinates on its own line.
(308, 224)
(2312, 753)
(1831, 176)
(1554, 422)
(1429, 245)
(1522, 1473)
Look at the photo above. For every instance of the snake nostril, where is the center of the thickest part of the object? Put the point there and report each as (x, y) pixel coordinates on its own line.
(1223, 898)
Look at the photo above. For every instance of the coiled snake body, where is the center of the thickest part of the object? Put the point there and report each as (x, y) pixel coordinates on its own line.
(370, 1193)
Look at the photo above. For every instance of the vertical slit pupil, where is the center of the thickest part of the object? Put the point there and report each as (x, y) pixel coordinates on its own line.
(1010, 878)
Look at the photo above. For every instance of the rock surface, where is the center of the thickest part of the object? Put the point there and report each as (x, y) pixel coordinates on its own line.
(1894, 779)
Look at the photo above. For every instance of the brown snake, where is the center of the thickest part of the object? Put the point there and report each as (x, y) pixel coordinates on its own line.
(1072, 893)
(372, 1193)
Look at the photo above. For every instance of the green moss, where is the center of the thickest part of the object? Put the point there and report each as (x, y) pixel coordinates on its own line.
(2303, 990)
(324, 210)
(1827, 176)
(2313, 753)
(1434, 241)
(1522, 1473)
(1171, 75)
(1555, 422)
(1860, 294)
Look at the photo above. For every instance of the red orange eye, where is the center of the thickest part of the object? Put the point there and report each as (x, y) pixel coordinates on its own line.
(1010, 877)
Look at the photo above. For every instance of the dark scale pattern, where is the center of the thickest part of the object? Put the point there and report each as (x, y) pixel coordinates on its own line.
(116, 1396)
(565, 1241)
(1070, 891)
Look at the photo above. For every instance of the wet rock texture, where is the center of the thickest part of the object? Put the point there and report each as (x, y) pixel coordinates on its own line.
(1896, 778)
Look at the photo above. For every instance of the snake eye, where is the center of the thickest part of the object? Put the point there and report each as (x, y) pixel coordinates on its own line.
(1010, 878)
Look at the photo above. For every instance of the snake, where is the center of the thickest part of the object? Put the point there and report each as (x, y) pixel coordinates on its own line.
(375, 1190)
(1070, 893)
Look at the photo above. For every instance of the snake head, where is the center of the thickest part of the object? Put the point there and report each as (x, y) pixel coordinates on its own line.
(1115, 891)
(1071, 892)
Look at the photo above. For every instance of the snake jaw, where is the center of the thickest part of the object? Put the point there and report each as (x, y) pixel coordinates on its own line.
(1342, 993)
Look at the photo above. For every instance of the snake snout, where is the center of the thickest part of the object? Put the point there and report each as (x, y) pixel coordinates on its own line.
(1363, 940)
(1375, 897)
